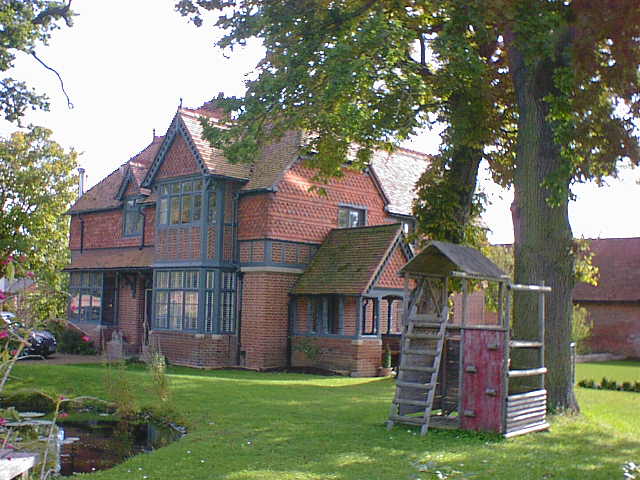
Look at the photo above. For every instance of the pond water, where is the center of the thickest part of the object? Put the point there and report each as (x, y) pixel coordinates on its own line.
(100, 444)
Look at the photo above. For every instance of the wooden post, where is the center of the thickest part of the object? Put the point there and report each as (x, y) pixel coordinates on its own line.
(541, 315)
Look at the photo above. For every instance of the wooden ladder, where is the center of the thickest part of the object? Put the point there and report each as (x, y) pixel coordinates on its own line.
(421, 353)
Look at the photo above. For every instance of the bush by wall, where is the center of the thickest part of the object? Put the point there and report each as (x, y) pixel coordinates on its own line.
(76, 342)
(611, 385)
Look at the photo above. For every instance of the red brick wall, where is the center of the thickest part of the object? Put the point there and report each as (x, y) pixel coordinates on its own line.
(178, 243)
(196, 350)
(358, 358)
(178, 161)
(131, 313)
(265, 307)
(104, 230)
(616, 327)
(389, 277)
(299, 215)
(253, 216)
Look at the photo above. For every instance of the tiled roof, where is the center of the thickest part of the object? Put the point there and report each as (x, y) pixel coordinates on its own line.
(105, 258)
(398, 173)
(212, 158)
(273, 161)
(618, 261)
(103, 194)
(348, 260)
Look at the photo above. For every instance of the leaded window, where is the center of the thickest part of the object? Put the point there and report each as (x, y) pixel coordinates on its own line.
(325, 314)
(132, 219)
(86, 297)
(210, 301)
(227, 302)
(176, 299)
(349, 217)
(180, 202)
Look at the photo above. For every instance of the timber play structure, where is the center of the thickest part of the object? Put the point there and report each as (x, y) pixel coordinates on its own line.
(455, 371)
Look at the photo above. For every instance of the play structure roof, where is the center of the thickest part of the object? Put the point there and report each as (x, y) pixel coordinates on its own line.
(442, 258)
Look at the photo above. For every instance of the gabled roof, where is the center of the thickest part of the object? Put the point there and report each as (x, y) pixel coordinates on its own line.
(105, 194)
(348, 260)
(397, 174)
(441, 258)
(618, 261)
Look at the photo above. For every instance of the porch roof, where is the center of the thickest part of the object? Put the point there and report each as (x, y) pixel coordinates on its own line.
(111, 258)
(441, 258)
(348, 260)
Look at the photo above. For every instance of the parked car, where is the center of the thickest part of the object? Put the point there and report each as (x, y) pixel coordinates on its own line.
(41, 342)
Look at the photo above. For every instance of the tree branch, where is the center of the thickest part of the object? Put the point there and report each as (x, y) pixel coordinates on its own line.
(57, 11)
(69, 104)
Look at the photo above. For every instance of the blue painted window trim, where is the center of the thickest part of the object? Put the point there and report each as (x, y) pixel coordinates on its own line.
(360, 209)
(128, 209)
(318, 310)
(180, 195)
(92, 291)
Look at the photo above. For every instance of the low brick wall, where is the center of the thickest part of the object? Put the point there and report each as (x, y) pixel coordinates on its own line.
(195, 350)
(356, 357)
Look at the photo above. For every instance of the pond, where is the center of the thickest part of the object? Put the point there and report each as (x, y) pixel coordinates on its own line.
(94, 444)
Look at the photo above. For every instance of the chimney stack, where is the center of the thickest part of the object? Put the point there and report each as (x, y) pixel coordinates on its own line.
(80, 182)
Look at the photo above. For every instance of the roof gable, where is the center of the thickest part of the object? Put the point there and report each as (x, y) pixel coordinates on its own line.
(106, 193)
(349, 260)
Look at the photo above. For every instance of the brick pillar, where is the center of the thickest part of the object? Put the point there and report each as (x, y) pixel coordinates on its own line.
(265, 310)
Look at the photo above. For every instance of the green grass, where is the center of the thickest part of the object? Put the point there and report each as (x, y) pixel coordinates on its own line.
(621, 371)
(275, 426)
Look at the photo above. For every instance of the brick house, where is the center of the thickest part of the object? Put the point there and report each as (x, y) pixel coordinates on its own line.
(614, 304)
(220, 264)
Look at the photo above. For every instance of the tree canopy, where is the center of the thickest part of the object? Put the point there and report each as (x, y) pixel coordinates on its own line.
(25, 25)
(545, 91)
(37, 188)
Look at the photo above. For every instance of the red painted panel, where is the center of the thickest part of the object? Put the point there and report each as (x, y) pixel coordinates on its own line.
(483, 349)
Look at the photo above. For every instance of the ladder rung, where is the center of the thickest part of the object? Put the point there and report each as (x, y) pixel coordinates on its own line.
(421, 386)
(417, 403)
(524, 344)
(427, 324)
(425, 317)
(412, 351)
(403, 419)
(527, 373)
(424, 336)
(418, 369)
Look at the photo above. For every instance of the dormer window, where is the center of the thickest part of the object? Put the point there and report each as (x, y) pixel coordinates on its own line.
(349, 217)
(180, 202)
(132, 218)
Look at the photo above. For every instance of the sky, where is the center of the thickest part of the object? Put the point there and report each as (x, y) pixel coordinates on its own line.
(127, 63)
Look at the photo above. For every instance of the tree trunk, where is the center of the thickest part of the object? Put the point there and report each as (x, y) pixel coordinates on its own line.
(543, 238)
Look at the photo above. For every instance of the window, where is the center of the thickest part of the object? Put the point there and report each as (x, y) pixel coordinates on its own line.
(349, 217)
(132, 219)
(213, 213)
(325, 315)
(176, 300)
(180, 202)
(370, 316)
(86, 297)
(227, 302)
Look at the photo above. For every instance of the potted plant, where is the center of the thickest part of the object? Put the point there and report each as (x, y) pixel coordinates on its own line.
(385, 370)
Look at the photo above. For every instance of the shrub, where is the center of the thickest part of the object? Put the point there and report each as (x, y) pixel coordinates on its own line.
(606, 384)
(581, 329)
(76, 342)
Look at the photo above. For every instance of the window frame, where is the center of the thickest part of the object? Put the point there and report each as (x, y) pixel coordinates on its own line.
(324, 311)
(131, 207)
(177, 190)
(350, 209)
(171, 292)
(80, 290)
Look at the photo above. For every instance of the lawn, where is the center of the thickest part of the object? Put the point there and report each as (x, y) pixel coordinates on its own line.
(621, 371)
(274, 426)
